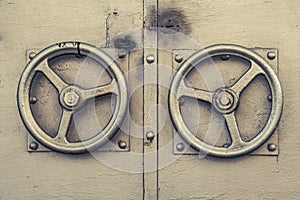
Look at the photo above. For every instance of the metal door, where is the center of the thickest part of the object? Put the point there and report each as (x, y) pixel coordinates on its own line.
(268, 28)
(166, 146)
(28, 169)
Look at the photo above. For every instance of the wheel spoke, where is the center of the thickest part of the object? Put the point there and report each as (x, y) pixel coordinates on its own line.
(51, 75)
(199, 94)
(233, 130)
(247, 78)
(110, 88)
(65, 122)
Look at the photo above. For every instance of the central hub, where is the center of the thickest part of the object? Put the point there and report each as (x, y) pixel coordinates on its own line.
(70, 98)
(225, 100)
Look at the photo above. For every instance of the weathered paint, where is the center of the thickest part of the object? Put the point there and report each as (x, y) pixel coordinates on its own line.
(252, 24)
(37, 24)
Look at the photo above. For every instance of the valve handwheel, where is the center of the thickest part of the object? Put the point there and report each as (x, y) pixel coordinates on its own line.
(226, 100)
(72, 97)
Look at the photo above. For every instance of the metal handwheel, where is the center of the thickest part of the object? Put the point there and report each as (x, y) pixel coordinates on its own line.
(225, 100)
(71, 97)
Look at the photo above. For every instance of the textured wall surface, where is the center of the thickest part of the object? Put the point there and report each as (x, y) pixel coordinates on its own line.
(38, 24)
(257, 23)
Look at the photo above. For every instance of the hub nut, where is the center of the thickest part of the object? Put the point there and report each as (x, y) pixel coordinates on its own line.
(225, 100)
(71, 98)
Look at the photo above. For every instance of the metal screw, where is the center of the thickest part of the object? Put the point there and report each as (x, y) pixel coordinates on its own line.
(122, 55)
(272, 147)
(225, 57)
(271, 55)
(33, 146)
(150, 59)
(122, 144)
(181, 101)
(178, 58)
(32, 55)
(33, 100)
(270, 97)
(150, 135)
(180, 147)
(226, 145)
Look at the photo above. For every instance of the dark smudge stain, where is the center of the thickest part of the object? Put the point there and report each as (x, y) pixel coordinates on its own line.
(170, 20)
(125, 43)
(173, 20)
(151, 17)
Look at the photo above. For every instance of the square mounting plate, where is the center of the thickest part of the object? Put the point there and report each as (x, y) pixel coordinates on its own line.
(263, 150)
(113, 145)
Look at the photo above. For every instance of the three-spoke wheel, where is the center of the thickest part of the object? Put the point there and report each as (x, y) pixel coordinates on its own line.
(225, 100)
(72, 98)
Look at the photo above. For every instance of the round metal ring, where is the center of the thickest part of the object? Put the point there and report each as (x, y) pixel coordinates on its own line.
(72, 96)
(259, 66)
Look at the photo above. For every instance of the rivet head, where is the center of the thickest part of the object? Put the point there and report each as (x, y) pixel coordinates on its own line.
(181, 101)
(33, 100)
(122, 55)
(272, 147)
(225, 57)
(32, 55)
(271, 55)
(33, 146)
(180, 147)
(178, 58)
(270, 97)
(122, 144)
(226, 145)
(150, 59)
(150, 135)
